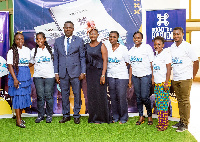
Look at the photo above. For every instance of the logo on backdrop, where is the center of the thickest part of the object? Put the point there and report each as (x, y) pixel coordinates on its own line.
(163, 19)
(165, 32)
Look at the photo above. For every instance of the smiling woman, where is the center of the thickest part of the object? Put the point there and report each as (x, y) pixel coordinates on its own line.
(43, 77)
(142, 74)
(19, 78)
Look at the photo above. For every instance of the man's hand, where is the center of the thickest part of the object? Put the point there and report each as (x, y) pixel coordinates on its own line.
(82, 76)
(57, 78)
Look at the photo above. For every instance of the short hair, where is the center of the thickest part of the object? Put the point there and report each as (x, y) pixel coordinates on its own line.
(138, 32)
(114, 32)
(159, 38)
(69, 22)
(179, 28)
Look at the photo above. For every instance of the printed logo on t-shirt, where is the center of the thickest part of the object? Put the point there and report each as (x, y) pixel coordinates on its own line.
(43, 59)
(155, 67)
(3, 65)
(113, 60)
(23, 61)
(176, 60)
(135, 59)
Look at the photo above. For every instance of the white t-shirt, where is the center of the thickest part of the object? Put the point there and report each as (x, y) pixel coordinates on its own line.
(3, 67)
(24, 56)
(159, 65)
(116, 62)
(140, 58)
(43, 64)
(182, 60)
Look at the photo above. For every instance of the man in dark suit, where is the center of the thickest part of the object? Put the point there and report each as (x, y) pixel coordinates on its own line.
(69, 68)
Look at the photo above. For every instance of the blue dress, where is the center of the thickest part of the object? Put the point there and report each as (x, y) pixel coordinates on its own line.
(20, 96)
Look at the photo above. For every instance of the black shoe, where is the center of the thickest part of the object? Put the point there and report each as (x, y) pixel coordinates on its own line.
(76, 120)
(48, 119)
(39, 119)
(23, 121)
(176, 125)
(182, 128)
(65, 119)
(21, 125)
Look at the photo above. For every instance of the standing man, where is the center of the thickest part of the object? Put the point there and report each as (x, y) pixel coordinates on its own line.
(185, 67)
(69, 68)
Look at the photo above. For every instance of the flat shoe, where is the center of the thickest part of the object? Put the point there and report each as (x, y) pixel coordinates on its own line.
(150, 122)
(157, 126)
(162, 129)
(139, 123)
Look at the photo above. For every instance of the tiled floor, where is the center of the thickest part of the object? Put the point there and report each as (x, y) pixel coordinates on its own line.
(194, 126)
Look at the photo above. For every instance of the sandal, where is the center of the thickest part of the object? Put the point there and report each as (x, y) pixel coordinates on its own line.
(139, 123)
(162, 129)
(157, 126)
(150, 122)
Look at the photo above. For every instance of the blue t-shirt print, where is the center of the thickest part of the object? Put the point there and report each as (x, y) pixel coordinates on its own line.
(23, 61)
(156, 67)
(43, 59)
(176, 60)
(135, 59)
(113, 60)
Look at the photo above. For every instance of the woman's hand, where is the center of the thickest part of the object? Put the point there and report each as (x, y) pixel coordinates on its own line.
(102, 79)
(152, 80)
(129, 84)
(166, 87)
(16, 83)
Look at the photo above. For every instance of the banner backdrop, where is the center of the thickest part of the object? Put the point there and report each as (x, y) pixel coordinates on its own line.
(5, 100)
(162, 23)
(48, 16)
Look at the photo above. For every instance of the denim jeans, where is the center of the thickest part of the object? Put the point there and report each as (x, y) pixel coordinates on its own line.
(118, 95)
(44, 89)
(142, 90)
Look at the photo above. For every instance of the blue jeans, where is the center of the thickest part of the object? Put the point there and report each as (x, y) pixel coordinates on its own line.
(142, 90)
(118, 95)
(44, 89)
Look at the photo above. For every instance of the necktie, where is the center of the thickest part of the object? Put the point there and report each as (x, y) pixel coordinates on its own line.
(67, 44)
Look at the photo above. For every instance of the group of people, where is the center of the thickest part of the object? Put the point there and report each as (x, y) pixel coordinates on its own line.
(103, 65)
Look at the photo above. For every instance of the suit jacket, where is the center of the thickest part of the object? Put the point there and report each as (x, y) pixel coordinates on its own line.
(74, 62)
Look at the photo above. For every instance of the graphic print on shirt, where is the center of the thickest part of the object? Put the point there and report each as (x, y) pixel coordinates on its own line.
(23, 61)
(156, 68)
(177, 60)
(42, 59)
(113, 60)
(135, 59)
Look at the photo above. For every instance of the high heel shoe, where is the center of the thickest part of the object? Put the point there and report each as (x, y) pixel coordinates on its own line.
(23, 121)
(21, 125)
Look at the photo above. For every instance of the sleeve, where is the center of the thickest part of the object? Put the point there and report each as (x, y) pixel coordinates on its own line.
(56, 56)
(168, 57)
(191, 53)
(82, 57)
(10, 57)
(32, 59)
(150, 51)
(126, 55)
